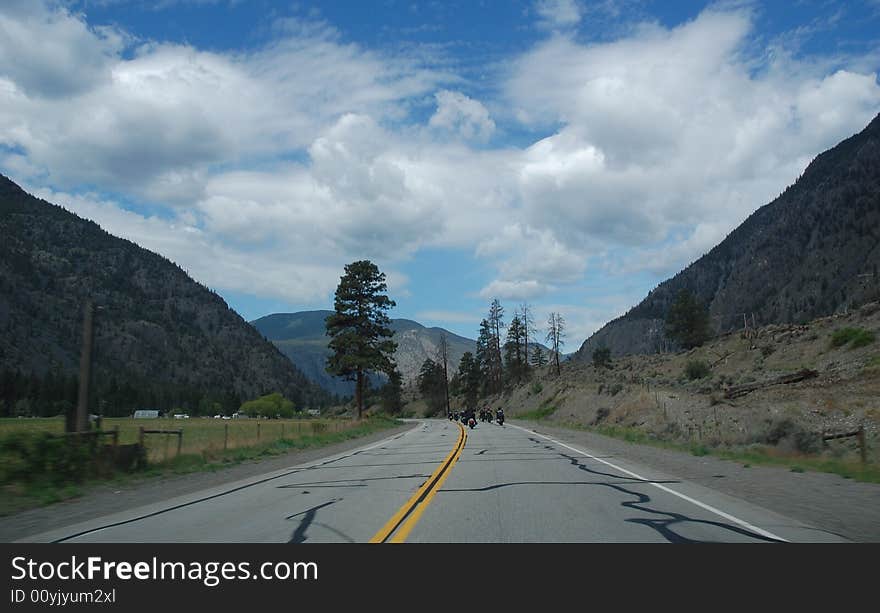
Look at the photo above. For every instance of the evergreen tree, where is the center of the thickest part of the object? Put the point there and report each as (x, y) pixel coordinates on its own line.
(432, 386)
(602, 357)
(359, 327)
(687, 321)
(392, 393)
(485, 357)
(469, 377)
(496, 323)
(539, 358)
(514, 351)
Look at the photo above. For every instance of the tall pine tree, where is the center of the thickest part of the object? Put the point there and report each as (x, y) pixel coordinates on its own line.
(359, 327)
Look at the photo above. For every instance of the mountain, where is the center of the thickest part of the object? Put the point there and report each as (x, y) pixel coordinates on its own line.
(811, 252)
(301, 337)
(160, 338)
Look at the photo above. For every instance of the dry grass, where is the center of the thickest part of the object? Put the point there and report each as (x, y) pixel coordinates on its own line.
(200, 435)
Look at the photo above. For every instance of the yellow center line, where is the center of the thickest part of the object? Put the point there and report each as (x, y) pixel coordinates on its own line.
(408, 513)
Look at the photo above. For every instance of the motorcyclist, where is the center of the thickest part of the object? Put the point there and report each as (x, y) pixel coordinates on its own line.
(499, 415)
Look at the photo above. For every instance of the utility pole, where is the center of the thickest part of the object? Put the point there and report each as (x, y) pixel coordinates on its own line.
(85, 366)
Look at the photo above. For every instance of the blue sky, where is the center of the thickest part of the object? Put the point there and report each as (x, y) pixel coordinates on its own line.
(561, 153)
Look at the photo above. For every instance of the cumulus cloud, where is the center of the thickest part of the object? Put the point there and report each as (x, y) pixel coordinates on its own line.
(277, 165)
(53, 54)
(462, 115)
(157, 122)
(672, 132)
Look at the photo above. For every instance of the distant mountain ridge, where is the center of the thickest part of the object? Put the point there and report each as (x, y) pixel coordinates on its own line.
(302, 338)
(161, 338)
(812, 251)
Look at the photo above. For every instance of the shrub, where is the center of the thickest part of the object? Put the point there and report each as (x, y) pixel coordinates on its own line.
(601, 415)
(802, 440)
(602, 357)
(615, 389)
(38, 456)
(537, 388)
(856, 337)
(696, 369)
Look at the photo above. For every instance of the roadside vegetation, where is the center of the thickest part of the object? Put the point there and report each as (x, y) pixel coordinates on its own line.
(39, 468)
(757, 454)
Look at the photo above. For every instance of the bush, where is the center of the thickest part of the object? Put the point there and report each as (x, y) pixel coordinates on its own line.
(40, 456)
(537, 388)
(696, 369)
(601, 415)
(615, 389)
(801, 440)
(602, 357)
(856, 337)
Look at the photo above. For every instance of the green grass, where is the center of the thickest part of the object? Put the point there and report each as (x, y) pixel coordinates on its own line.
(856, 337)
(40, 492)
(538, 414)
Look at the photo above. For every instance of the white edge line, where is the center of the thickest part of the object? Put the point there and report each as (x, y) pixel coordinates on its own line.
(702, 505)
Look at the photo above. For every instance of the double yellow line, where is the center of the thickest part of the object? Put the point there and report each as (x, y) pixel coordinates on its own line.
(409, 514)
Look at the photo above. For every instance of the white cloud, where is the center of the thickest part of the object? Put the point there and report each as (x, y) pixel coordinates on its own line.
(460, 114)
(279, 164)
(558, 13)
(157, 122)
(671, 131)
(54, 54)
(513, 290)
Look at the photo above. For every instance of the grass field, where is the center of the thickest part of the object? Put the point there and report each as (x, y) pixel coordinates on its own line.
(202, 450)
(200, 435)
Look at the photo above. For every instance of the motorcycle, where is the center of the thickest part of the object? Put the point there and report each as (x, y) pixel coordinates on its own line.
(472, 423)
(500, 419)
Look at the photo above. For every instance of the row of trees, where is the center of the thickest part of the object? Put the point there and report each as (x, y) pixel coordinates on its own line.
(361, 343)
(495, 365)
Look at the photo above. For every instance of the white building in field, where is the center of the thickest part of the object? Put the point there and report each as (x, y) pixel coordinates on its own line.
(146, 414)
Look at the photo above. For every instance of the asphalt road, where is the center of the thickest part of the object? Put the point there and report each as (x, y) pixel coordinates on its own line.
(441, 483)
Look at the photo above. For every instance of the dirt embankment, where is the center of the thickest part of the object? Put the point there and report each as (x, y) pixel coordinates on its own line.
(741, 399)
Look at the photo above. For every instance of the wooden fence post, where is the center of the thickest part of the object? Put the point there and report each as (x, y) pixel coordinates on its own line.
(225, 435)
(862, 450)
(258, 432)
(141, 436)
(179, 440)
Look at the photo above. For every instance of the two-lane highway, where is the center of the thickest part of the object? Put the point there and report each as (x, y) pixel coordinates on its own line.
(442, 483)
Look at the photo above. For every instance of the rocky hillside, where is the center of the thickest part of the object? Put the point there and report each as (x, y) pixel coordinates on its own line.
(781, 384)
(301, 337)
(161, 339)
(812, 252)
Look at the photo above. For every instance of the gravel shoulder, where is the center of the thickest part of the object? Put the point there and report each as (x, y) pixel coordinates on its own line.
(827, 501)
(107, 499)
